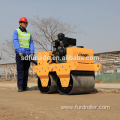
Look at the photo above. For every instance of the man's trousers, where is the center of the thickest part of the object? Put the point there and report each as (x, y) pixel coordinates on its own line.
(22, 72)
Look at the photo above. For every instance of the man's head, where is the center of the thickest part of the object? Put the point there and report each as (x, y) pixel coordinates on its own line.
(23, 22)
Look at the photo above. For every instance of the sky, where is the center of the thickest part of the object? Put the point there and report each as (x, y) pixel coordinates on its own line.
(99, 20)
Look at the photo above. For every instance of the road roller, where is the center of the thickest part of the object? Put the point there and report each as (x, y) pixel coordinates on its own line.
(67, 68)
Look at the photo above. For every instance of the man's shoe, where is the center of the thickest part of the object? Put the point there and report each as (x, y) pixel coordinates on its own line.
(20, 90)
(28, 89)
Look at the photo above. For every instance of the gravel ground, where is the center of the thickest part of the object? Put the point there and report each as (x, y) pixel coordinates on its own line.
(98, 86)
(32, 105)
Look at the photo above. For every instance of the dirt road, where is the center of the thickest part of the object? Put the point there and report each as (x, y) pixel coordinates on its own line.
(32, 105)
(97, 85)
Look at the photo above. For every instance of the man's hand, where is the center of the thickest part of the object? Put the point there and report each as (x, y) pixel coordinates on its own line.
(20, 54)
(32, 54)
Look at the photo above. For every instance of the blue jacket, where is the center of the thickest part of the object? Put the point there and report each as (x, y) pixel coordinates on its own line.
(18, 49)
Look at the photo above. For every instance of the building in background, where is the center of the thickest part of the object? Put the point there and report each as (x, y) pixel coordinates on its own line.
(110, 62)
(8, 71)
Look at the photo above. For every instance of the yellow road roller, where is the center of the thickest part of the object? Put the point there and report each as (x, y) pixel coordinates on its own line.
(67, 68)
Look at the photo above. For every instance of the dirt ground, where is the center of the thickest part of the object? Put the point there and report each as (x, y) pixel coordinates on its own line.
(34, 80)
(32, 105)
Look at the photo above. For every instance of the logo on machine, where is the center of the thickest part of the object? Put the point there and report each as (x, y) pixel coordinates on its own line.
(83, 55)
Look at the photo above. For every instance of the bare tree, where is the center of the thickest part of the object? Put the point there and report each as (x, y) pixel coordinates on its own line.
(8, 48)
(1, 57)
(45, 31)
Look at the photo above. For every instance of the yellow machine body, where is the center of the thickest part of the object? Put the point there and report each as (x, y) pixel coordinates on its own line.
(77, 59)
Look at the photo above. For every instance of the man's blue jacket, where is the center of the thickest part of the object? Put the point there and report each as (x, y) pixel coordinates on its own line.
(18, 49)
